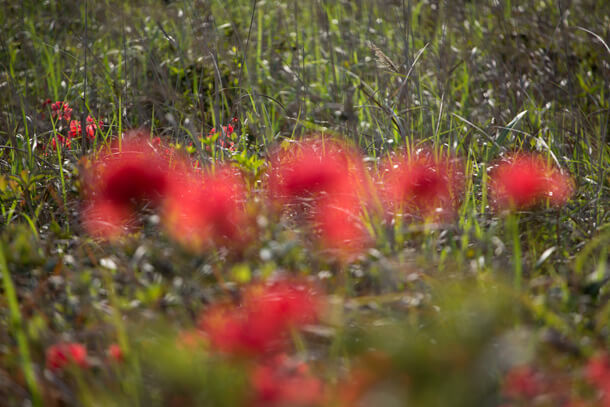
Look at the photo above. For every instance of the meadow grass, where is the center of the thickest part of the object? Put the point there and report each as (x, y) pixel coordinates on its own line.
(478, 80)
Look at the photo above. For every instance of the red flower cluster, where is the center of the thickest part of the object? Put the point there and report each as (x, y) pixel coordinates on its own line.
(61, 110)
(259, 329)
(331, 178)
(225, 139)
(120, 182)
(522, 383)
(75, 132)
(421, 184)
(283, 382)
(598, 374)
(203, 209)
(524, 181)
(92, 126)
(198, 209)
(62, 355)
(262, 324)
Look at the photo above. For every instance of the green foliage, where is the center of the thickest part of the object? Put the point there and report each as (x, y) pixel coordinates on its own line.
(476, 79)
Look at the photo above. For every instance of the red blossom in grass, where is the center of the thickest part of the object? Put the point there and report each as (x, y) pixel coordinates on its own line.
(61, 355)
(598, 374)
(313, 168)
(331, 177)
(63, 141)
(92, 126)
(75, 129)
(422, 184)
(340, 226)
(263, 322)
(522, 382)
(200, 210)
(121, 182)
(524, 181)
(285, 383)
(61, 110)
(116, 353)
(224, 138)
(106, 220)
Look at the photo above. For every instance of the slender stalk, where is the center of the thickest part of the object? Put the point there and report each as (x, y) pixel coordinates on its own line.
(512, 225)
(19, 332)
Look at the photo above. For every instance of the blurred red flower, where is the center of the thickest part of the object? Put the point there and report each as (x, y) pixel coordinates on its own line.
(523, 181)
(281, 383)
(314, 168)
(116, 353)
(522, 382)
(330, 177)
(340, 225)
(422, 184)
(61, 355)
(120, 182)
(263, 321)
(200, 210)
(598, 374)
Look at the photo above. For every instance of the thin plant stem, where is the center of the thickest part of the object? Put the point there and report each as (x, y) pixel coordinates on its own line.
(512, 224)
(19, 332)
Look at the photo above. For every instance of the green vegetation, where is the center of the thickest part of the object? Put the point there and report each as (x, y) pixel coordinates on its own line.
(437, 314)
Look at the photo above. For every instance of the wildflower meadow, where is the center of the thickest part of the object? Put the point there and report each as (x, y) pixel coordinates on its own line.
(319, 203)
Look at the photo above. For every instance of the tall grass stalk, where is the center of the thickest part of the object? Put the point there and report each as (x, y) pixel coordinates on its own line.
(512, 226)
(19, 331)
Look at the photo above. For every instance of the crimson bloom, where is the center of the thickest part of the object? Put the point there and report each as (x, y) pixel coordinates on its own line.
(204, 209)
(315, 168)
(61, 355)
(121, 182)
(263, 322)
(331, 178)
(61, 110)
(598, 374)
(90, 128)
(116, 353)
(340, 226)
(422, 184)
(522, 382)
(523, 181)
(282, 382)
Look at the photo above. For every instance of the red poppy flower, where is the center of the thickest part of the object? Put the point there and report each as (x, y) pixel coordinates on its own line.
(262, 324)
(314, 168)
(422, 184)
(200, 210)
(121, 182)
(341, 228)
(523, 181)
(61, 355)
(281, 383)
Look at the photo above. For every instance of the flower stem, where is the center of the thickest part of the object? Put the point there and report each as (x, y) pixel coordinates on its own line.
(19, 332)
(513, 227)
